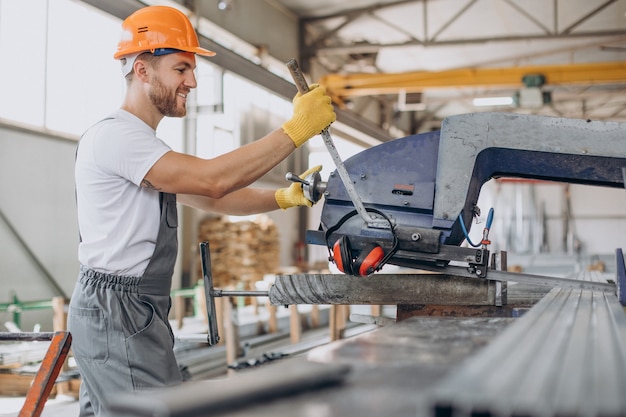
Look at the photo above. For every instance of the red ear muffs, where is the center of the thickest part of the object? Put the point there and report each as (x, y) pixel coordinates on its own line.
(368, 260)
(342, 255)
(365, 264)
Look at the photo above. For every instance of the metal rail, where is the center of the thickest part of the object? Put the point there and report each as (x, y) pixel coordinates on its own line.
(452, 285)
(566, 356)
(598, 284)
(381, 289)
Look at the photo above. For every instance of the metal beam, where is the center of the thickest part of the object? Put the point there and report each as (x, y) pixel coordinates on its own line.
(326, 45)
(381, 289)
(566, 356)
(353, 85)
(276, 381)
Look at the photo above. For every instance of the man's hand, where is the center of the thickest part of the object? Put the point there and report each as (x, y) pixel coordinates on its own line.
(293, 196)
(312, 113)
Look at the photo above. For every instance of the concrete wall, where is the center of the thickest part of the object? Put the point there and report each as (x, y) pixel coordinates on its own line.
(38, 228)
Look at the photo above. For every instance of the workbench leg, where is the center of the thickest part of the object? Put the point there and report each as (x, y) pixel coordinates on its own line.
(315, 316)
(272, 324)
(260, 324)
(59, 324)
(333, 325)
(46, 376)
(200, 301)
(230, 331)
(220, 315)
(295, 324)
(337, 320)
(179, 310)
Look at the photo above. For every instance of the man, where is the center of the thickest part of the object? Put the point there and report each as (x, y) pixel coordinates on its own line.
(127, 185)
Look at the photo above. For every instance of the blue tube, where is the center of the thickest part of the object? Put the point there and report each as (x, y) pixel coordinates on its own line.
(466, 234)
(472, 244)
(489, 218)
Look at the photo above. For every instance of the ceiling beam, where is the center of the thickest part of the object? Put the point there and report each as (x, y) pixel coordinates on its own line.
(376, 47)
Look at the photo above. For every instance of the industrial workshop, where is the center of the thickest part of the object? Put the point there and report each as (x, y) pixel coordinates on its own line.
(313, 208)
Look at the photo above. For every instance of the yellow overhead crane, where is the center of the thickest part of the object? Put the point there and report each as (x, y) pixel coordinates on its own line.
(344, 86)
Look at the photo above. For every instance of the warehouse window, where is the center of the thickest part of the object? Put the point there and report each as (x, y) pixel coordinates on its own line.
(62, 77)
(58, 72)
(83, 81)
(23, 50)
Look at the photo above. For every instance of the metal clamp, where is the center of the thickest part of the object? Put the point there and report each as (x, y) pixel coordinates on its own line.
(210, 293)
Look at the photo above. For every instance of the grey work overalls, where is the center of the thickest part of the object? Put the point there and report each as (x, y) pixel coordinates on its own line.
(122, 339)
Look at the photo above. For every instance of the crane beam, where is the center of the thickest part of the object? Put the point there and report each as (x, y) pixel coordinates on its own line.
(341, 86)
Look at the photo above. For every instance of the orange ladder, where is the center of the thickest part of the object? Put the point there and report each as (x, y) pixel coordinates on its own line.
(49, 369)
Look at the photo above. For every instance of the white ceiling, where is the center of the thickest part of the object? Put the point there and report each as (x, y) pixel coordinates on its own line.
(424, 40)
(386, 37)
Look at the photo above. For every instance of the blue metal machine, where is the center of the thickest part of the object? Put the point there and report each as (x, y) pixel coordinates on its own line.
(426, 186)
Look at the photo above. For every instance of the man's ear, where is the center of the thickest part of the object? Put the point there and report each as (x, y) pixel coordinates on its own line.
(141, 69)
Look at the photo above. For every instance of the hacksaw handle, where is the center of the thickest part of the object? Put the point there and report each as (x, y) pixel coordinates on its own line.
(298, 77)
(303, 88)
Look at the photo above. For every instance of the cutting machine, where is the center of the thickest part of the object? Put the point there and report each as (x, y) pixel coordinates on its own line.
(418, 197)
(410, 202)
(426, 186)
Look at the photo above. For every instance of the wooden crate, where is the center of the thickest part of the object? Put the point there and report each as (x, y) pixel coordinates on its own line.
(241, 252)
(17, 385)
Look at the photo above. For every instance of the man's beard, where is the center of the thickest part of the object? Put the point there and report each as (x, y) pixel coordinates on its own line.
(164, 101)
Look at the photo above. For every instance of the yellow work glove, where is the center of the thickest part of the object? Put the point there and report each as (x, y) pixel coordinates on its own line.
(312, 113)
(293, 196)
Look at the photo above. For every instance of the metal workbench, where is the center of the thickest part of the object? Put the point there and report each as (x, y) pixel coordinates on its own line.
(565, 356)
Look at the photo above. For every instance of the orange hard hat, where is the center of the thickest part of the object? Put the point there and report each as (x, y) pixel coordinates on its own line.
(156, 28)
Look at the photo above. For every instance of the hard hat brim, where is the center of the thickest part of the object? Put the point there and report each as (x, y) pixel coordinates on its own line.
(197, 50)
(201, 51)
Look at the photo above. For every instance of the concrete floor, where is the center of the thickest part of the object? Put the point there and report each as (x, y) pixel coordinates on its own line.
(57, 407)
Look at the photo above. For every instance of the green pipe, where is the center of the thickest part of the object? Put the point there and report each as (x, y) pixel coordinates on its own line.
(16, 307)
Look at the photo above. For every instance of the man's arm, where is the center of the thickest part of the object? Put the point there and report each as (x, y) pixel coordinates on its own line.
(238, 203)
(185, 174)
(253, 200)
(180, 173)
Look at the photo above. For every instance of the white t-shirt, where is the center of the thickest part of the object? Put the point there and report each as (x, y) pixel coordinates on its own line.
(117, 218)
